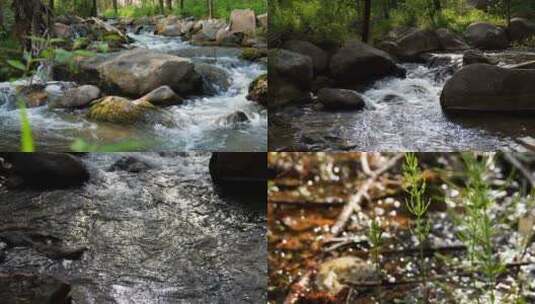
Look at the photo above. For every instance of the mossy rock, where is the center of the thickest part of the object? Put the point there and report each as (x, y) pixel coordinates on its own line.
(258, 90)
(119, 110)
(253, 54)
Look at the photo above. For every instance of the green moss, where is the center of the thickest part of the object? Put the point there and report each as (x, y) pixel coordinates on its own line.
(252, 54)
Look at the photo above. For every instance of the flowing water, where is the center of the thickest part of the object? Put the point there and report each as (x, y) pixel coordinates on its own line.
(199, 120)
(162, 235)
(401, 115)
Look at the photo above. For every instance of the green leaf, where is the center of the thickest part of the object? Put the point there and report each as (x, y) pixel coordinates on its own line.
(26, 139)
(63, 56)
(17, 64)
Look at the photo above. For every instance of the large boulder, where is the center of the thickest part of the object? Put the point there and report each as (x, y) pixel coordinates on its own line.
(483, 87)
(415, 42)
(225, 37)
(319, 57)
(45, 170)
(134, 73)
(486, 36)
(243, 20)
(358, 63)
(207, 35)
(340, 99)
(521, 29)
(290, 77)
(258, 90)
(119, 110)
(75, 97)
(450, 41)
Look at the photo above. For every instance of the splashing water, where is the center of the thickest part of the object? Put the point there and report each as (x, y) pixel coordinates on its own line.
(400, 115)
(199, 120)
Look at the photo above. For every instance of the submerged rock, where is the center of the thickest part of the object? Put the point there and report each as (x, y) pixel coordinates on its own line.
(75, 97)
(232, 171)
(130, 164)
(335, 274)
(483, 87)
(258, 90)
(486, 36)
(44, 170)
(120, 110)
(357, 63)
(253, 54)
(340, 99)
(234, 119)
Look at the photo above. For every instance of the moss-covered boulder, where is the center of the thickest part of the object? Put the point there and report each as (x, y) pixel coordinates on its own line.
(119, 110)
(258, 90)
(253, 54)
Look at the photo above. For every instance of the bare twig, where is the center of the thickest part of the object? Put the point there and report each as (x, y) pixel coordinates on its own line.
(299, 288)
(518, 165)
(354, 202)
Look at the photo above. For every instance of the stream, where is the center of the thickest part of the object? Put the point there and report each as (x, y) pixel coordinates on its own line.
(199, 123)
(160, 235)
(403, 115)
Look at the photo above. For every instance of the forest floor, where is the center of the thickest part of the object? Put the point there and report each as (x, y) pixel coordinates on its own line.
(341, 232)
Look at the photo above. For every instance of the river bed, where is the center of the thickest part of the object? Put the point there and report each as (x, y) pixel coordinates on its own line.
(158, 235)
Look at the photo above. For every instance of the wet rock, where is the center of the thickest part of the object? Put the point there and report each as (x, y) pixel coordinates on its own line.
(207, 35)
(319, 57)
(290, 77)
(521, 29)
(335, 274)
(225, 37)
(46, 170)
(476, 56)
(139, 71)
(486, 36)
(120, 110)
(243, 21)
(163, 96)
(234, 119)
(215, 78)
(32, 288)
(358, 63)
(169, 26)
(501, 89)
(450, 41)
(253, 54)
(75, 97)
(258, 90)
(340, 99)
(130, 164)
(33, 96)
(229, 170)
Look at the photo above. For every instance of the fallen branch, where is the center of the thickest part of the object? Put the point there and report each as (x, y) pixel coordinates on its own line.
(354, 202)
(299, 288)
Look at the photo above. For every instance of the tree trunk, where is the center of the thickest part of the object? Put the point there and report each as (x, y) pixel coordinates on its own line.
(1, 15)
(162, 8)
(94, 10)
(210, 5)
(31, 19)
(115, 8)
(508, 12)
(438, 5)
(169, 5)
(366, 21)
(51, 5)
